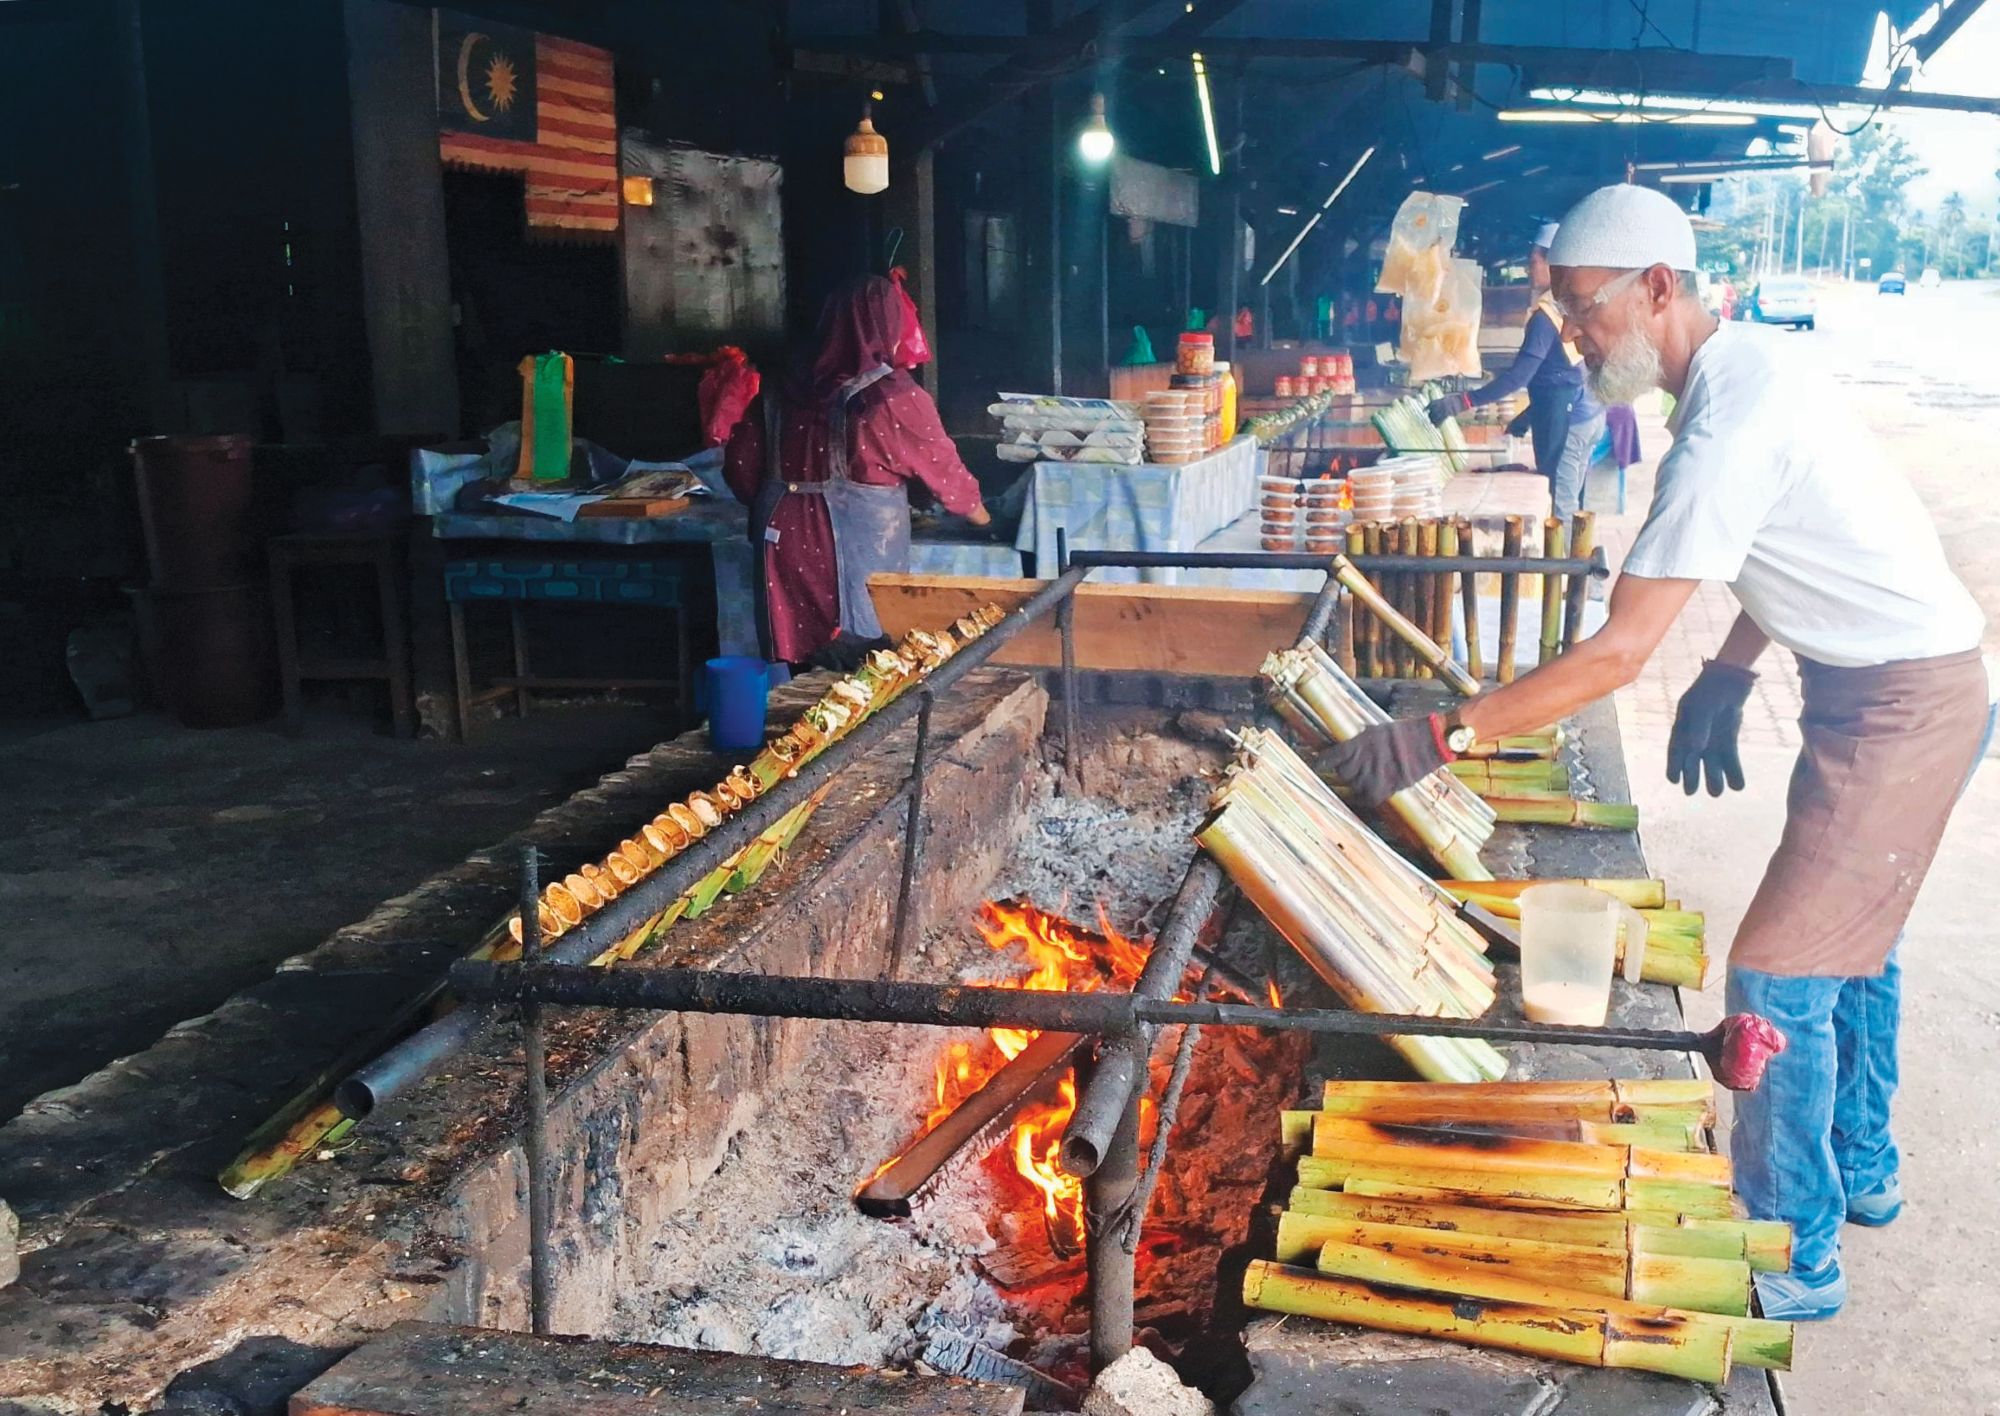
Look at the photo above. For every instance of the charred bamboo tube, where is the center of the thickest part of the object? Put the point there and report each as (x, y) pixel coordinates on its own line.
(1583, 1333)
(1295, 1131)
(1468, 584)
(1765, 1245)
(1510, 603)
(1424, 600)
(1528, 1192)
(1447, 587)
(1566, 811)
(1702, 1285)
(1367, 1143)
(1344, 628)
(1397, 663)
(1553, 540)
(1410, 635)
(1757, 1342)
(1380, 653)
(1582, 541)
(1364, 625)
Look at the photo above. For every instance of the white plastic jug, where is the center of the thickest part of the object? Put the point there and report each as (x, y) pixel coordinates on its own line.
(1569, 949)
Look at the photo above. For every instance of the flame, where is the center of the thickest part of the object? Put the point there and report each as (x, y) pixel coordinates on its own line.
(1061, 959)
(1277, 999)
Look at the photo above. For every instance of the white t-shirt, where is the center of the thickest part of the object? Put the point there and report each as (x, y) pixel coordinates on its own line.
(1774, 486)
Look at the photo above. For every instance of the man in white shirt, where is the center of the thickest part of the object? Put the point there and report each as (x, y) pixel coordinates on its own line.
(1773, 487)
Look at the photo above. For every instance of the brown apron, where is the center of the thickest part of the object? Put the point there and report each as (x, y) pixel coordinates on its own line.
(1886, 749)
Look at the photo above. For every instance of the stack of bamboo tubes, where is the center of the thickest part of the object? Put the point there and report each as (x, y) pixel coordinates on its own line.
(566, 903)
(1378, 931)
(1537, 791)
(1310, 692)
(1676, 939)
(1577, 1220)
(1427, 599)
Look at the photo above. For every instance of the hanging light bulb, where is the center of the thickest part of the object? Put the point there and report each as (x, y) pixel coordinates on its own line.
(1095, 142)
(865, 167)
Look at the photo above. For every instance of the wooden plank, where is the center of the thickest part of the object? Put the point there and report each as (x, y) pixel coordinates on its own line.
(421, 1369)
(634, 506)
(1158, 629)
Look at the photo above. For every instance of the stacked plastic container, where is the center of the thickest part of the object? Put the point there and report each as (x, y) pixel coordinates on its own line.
(1326, 518)
(1282, 511)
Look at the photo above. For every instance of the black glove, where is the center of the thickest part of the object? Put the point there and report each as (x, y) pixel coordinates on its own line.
(1450, 406)
(1705, 727)
(1382, 760)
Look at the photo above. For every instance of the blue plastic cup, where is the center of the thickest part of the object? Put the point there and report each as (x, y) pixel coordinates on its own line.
(739, 693)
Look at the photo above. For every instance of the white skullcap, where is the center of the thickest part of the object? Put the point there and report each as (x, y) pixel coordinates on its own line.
(1545, 235)
(1625, 228)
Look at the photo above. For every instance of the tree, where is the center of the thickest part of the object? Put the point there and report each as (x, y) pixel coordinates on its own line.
(1951, 223)
(1874, 170)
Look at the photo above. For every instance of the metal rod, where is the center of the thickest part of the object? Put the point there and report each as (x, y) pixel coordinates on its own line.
(867, 1000)
(541, 1271)
(1066, 622)
(1107, 1211)
(1306, 560)
(1163, 1127)
(1121, 1062)
(407, 1063)
(913, 827)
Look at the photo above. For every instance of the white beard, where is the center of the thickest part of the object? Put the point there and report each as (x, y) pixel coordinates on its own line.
(1630, 368)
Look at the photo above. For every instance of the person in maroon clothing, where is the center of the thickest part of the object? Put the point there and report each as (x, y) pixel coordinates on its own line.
(822, 467)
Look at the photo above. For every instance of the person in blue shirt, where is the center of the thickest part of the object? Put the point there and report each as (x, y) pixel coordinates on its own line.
(1564, 421)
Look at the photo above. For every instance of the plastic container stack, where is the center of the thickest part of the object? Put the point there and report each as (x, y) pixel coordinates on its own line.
(1325, 516)
(1418, 484)
(1176, 425)
(1373, 493)
(1282, 514)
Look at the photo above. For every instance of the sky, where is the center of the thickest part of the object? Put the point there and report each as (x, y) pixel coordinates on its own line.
(1961, 149)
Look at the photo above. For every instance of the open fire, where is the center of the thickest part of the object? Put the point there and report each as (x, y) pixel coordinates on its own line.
(1062, 958)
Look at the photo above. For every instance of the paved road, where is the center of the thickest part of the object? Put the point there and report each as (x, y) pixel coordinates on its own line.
(1921, 1331)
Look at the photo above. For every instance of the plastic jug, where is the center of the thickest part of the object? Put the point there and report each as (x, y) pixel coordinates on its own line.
(738, 692)
(1569, 949)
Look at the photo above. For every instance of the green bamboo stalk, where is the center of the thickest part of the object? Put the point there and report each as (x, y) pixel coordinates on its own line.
(1510, 603)
(1600, 815)
(1553, 539)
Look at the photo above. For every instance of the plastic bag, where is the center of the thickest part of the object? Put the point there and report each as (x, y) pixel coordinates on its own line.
(725, 393)
(1440, 336)
(1416, 263)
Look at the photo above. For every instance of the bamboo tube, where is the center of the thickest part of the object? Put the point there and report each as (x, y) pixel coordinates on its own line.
(1468, 584)
(1414, 639)
(1545, 744)
(1368, 1141)
(1497, 1103)
(1295, 1131)
(1758, 1342)
(1765, 1245)
(1511, 1188)
(1343, 634)
(1382, 657)
(1541, 776)
(1510, 603)
(1582, 541)
(1566, 811)
(1553, 541)
(1445, 603)
(1639, 894)
(1423, 602)
(1398, 660)
(1571, 1336)
(1365, 627)
(1701, 1285)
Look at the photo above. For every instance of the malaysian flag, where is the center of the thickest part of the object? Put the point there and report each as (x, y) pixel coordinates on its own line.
(513, 101)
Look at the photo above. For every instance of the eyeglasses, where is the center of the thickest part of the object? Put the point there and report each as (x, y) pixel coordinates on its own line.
(1576, 311)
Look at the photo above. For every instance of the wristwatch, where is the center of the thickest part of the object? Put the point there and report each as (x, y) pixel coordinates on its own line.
(1457, 736)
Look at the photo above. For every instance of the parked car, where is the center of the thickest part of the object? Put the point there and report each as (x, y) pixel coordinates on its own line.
(1783, 299)
(1930, 279)
(1891, 283)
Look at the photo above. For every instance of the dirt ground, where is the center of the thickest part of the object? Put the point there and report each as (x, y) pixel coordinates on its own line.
(1921, 1330)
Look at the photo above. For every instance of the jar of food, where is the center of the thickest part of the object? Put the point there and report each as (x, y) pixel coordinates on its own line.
(1195, 353)
(1309, 366)
(1283, 387)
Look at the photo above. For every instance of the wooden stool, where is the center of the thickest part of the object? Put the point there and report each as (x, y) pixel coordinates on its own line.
(644, 584)
(383, 551)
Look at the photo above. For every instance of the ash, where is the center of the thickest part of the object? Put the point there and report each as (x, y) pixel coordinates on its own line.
(772, 1258)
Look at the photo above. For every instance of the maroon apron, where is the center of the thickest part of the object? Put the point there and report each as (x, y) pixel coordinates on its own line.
(1886, 749)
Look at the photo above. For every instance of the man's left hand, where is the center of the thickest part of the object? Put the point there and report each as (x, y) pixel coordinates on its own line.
(1382, 760)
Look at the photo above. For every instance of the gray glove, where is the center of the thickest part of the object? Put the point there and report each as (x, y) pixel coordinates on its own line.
(1706, 722)
(1382, 760)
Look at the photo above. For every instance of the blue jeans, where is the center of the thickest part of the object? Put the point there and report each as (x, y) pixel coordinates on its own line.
(1817, 1131)
(1566, 484)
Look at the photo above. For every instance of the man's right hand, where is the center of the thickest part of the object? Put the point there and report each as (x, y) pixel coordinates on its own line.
(1706, 724)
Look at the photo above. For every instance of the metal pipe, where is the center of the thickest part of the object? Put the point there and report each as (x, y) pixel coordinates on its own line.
(1321, 613)
(1121, 1062)
(1066, 686)
(1305, 560)
(412, 1059)
(857, 1000)
(913, 825)
(541, 1271)
(1107, 1211)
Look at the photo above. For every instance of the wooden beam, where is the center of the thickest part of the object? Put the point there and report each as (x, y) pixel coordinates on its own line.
(423, 1369)
(1155, 629)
